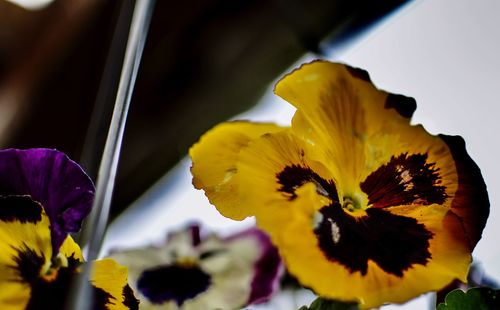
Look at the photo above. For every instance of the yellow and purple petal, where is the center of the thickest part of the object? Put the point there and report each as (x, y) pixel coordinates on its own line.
(33, 276)
(189, 272)
(52, 179)
(25, 249)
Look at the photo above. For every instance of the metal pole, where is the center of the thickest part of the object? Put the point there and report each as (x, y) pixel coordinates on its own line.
(81, 294)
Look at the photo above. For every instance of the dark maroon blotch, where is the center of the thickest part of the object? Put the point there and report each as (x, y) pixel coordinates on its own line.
(405, 179)
(359, 73)
(129, 299)
(28, 264)
(405, 106)
(470, 201)
(294, 176)
(395, 243)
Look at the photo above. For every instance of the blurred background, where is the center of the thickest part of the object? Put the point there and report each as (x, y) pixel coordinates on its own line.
(204, 61)
(209, 61)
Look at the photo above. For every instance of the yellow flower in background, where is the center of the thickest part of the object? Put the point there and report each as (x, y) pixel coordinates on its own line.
(33, 275)
(362, 205)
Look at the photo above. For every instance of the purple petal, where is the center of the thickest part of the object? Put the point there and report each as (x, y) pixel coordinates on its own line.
(268, 268)
(52, 179)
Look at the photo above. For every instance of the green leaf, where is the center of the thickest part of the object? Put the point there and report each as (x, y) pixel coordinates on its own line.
(478, 298)
(326, 304)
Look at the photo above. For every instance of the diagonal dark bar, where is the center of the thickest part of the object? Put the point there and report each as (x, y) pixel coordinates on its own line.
(93, 235)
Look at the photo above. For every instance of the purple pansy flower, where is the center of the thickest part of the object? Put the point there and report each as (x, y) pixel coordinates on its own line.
(190, 272)
(50, 178)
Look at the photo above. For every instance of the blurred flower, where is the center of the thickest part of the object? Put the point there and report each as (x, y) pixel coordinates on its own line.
(34, 275)
(362, 205)
(188, 272)
(50, 178)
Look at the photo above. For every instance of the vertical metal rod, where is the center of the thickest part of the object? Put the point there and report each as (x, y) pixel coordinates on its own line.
(81, 295)
(95, 139)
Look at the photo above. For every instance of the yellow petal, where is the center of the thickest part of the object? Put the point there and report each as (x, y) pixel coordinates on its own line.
(25, 238)
(13, 295)
(272, 169)
(355, 126)
(112, 278)
(362, 205)
(449, 259)
(70, 248)
(214, 163)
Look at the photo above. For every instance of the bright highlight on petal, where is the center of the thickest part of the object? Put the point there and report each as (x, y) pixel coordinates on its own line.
(362, 205)
(190, 272)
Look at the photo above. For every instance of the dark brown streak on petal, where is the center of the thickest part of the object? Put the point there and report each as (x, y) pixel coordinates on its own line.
(395, 243)
(406, 179)
(28, 264)
(359, 73)
(470, 202)
(294, 176)
(405, 106)
(129, 299)
(19, 208)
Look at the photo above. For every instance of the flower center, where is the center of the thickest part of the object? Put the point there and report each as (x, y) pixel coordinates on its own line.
(355, 203)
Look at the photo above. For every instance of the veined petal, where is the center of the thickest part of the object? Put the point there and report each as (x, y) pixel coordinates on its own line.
(52, 179)
(360, 129)
(353, 125)
(333, 104)
(214, 163)
(273, 167)
(470, 200)
(209, 273)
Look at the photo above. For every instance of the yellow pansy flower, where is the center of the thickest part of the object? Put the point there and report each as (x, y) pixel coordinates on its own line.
(362, 205)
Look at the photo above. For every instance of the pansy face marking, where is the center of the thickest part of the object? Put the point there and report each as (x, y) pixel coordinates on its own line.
(34, 275)
(191, 272)
(394, 242)
(362, 205)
